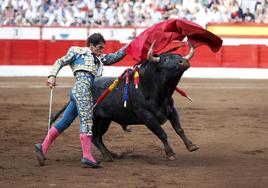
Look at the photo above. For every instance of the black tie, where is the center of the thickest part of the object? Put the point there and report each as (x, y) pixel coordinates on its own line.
(96, 60)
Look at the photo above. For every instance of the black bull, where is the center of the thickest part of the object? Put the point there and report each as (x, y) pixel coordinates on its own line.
(151, 104)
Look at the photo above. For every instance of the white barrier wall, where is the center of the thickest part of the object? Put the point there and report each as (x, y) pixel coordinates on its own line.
(66, 33)
(113, 33)
(123, 35)
(58, 33)
(20, 33)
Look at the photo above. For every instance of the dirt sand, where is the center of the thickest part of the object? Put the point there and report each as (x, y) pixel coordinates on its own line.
(228, 120)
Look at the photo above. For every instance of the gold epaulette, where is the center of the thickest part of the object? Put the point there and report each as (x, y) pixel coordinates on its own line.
(80, 50)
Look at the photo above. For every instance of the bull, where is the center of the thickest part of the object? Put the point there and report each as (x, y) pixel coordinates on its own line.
(151, 104)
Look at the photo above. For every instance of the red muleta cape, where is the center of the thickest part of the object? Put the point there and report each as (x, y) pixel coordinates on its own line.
(167, 31)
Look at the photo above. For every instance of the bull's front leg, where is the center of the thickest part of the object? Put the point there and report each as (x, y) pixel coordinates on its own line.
(99, 128)
(174, 119)
(151, 122)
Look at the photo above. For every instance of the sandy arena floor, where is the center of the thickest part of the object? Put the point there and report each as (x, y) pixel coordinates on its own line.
(228, 119)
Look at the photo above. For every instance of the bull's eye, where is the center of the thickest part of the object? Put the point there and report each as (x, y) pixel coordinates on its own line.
(166, 59)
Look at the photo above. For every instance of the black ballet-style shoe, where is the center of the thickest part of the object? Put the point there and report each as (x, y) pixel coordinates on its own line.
(88, 163)
(39, 154)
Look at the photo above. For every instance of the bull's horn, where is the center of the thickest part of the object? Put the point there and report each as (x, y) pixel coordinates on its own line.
(150, 55)
(191, 53)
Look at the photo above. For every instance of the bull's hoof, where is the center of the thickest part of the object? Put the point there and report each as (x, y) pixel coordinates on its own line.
(192, 147)
(127, 129)
(107, 158)
(171, 158)
(116, 156)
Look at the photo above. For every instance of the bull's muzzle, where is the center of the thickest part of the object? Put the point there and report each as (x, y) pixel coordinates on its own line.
(184, 65)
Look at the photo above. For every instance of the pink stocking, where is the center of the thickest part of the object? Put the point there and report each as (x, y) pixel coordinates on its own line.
(86, 146)
(51, 136)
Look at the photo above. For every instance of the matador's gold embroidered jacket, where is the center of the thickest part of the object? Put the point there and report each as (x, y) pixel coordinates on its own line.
(81, 58)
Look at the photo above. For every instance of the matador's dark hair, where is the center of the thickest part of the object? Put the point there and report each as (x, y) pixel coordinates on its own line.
(95, 39)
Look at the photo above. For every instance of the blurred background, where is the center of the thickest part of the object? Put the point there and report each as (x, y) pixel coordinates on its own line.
(37, 32)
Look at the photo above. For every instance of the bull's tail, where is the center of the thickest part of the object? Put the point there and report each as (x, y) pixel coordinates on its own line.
(55, 117)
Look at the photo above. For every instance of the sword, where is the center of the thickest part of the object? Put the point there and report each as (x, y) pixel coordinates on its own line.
(50, 108)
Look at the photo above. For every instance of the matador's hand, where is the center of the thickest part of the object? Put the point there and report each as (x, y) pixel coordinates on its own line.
(51, 81)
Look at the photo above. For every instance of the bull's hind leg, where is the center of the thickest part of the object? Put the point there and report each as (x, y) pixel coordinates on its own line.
(151, 122)
(99, 129)
(175, 122)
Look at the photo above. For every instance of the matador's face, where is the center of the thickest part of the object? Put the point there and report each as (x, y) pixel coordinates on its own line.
(98, 49)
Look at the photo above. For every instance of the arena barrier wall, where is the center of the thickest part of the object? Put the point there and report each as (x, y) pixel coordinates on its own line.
(45, 52)
(244, 45)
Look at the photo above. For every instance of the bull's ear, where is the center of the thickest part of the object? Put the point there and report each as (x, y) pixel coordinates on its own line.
(150, 55)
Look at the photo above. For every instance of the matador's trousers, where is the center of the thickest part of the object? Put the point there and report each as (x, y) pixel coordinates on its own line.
(81, 104)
